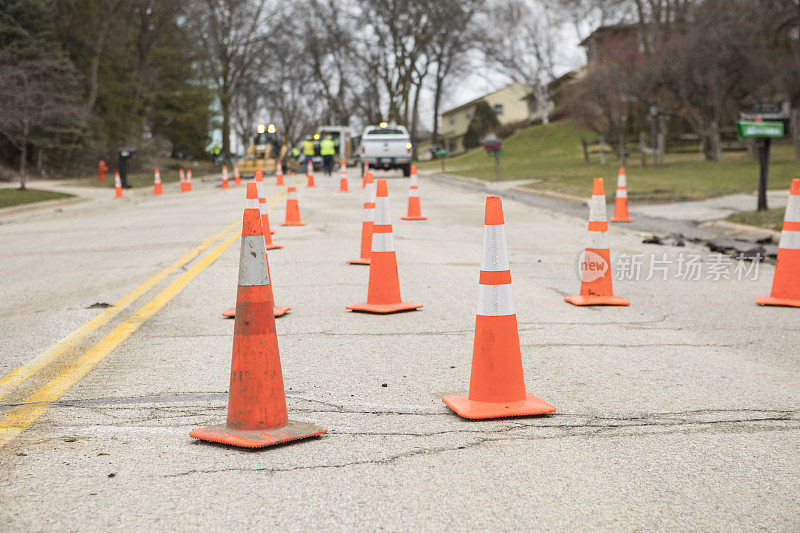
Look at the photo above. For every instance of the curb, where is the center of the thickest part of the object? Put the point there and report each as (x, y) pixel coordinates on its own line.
(551, 194)
(32, 206)
(739, 230)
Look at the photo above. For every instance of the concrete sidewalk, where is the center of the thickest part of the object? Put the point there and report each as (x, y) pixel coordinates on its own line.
(681, 411)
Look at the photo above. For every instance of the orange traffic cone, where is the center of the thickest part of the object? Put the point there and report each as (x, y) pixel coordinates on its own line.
(188, 180)
(278, 173)
(364, 172)
(786, 279)
(413, 198)
(117, 186)
(596, 271)
(621, 201)
(262, 197)
(292, 207)
(497, 384)
(225, 177)
(343, 180)
(310, 174)
(237, 179)
(182, 179)
(157, 183)
(366, 223)
(277, 310)
(383, 293)
(256, 399)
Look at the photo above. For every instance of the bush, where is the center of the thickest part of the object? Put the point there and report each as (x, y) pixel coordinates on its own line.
(483, 121)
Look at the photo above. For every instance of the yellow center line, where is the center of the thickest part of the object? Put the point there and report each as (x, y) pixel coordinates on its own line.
(17, 376)
(22, 416)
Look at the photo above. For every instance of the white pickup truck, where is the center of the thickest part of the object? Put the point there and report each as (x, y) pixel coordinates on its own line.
(386, 147)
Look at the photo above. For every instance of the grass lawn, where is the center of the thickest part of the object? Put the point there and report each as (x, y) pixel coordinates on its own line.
(769, 219)
(552, 155)
(14, 196)
(168, 170)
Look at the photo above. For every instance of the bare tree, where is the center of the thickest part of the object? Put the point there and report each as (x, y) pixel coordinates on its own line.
(233, 32)
(37, 95)
(521, 40)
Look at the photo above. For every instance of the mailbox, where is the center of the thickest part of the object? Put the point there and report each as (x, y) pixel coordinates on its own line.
(123, 155)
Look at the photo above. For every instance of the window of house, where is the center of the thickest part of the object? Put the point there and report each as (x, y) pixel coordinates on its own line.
(451, 119)
(468, 113)
(498, 109)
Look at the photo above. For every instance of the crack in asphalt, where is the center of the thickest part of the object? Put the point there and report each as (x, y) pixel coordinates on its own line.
(501, 434)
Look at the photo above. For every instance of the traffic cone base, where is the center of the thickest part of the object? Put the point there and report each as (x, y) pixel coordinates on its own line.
(414, 218)
(361, 261)
(769, 300)
(592, 299)
(366, 244)
(277, 311)
(466, 408)
(258, 438)
(384, 309)
(298, 223)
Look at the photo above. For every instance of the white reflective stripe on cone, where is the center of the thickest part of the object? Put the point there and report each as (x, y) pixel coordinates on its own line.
(413, 181)
(251, 203)
(413, 192)
(382, 242)
(495, 256)
(597, 240)
(790, 240)
(792, 209)
(292, 195)
(369, 214)
(597, 208)
(260, 189)
(622, 181)
(622, 193)
(373, 191)
(495, 300)
(382, 211)
(253, 262)
(262, 207)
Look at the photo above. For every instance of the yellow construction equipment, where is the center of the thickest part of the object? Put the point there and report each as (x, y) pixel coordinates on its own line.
(267, 147)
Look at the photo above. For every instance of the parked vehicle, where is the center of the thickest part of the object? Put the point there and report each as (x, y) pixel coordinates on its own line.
(387, 147)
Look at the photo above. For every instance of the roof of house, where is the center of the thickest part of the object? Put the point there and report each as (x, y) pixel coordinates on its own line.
(476, 100)
(608, 29)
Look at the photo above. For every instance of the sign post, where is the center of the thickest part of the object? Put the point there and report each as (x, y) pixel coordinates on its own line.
(764, 132)
(492, 145)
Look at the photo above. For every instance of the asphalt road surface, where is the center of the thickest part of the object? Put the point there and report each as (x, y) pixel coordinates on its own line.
(681, 411)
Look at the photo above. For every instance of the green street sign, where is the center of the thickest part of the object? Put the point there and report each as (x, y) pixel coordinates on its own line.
(440, 153)
(746, 129)
(494, 152)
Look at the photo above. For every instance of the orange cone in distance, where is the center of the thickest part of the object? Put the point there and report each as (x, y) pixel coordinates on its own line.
(182, 179)
(257, 414)
(786, 279)
(310, 174)
(366, 223)
(383, 293)
(225, 177)
(364, 172)
(278, 173)
(258, 177)
(292, 207)
(497, 383)
(278, 310)
(237, 179)
(414, 211)
(596, 274)
(117, 186)
(188, 180)
(343, 179)
(157, 189)
(621, 200)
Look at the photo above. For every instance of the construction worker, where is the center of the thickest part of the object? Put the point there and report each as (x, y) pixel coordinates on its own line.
(308, 150)
(327, 149)
(295, 158)
(215, 151)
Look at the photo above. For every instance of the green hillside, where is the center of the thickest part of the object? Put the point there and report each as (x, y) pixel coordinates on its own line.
(552, 155)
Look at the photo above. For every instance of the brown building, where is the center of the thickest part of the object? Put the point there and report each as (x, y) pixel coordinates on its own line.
(623, 44)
